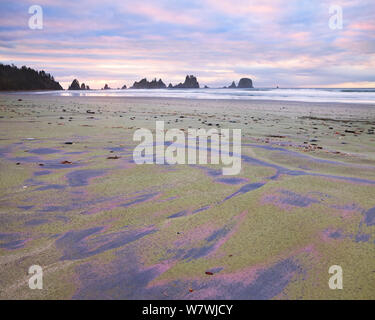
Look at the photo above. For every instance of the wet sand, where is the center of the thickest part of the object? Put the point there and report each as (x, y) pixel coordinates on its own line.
(73, 201)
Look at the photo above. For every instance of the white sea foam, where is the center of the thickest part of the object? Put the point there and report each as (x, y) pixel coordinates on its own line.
(291, 94)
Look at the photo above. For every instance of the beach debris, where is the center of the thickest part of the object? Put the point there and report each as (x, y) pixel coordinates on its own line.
(90, 112)
(209, 273)
(68, 142)
(66, 162)
(113, 157)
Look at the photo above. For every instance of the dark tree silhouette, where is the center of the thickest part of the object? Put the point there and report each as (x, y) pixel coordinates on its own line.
(13, 78)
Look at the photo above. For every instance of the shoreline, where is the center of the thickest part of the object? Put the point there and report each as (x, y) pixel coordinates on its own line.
(234, 101)
(141, 94)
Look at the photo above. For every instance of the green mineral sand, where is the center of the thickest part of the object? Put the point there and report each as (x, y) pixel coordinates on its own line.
(259, 232)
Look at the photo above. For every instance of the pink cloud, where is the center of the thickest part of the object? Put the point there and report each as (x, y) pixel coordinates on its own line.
(158, 13)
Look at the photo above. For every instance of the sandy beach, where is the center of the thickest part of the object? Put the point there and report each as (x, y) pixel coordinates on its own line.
(73, 201)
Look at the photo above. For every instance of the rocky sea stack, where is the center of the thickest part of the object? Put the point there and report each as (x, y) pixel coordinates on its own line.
(75, 86)
(233, 85)
(190, 83)
(245, 83)
(144, 84)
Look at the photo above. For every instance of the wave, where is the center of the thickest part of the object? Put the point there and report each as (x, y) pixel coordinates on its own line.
(286, 94)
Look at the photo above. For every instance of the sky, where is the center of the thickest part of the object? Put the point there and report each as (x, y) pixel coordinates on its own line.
(286, 43)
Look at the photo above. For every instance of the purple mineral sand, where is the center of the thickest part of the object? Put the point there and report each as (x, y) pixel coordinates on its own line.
(79, 178)
(139, 199)
(82, 243)
(370, 217)
(36, 222)
(44, 151)
(246, 188)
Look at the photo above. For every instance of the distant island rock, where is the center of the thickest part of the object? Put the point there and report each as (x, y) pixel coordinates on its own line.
(144, 84)
(245, 83)
(124, 87)
(233, 85)
(75, 86)
(191, 82)
(106, 87)
(13, 78)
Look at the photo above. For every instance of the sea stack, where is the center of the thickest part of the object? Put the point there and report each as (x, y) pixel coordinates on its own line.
(75, 85)
(245, 83)
(144, 84)
(190, 83)
(123, 87)
(233, 85)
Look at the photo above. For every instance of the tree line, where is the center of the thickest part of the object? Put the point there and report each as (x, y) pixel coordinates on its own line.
(24, 78)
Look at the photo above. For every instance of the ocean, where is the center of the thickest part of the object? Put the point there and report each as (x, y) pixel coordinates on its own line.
(366, 96)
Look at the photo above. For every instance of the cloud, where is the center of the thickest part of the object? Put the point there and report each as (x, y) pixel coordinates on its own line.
(279, 42)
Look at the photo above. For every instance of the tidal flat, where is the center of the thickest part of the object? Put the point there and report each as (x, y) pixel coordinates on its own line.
(73, 201)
